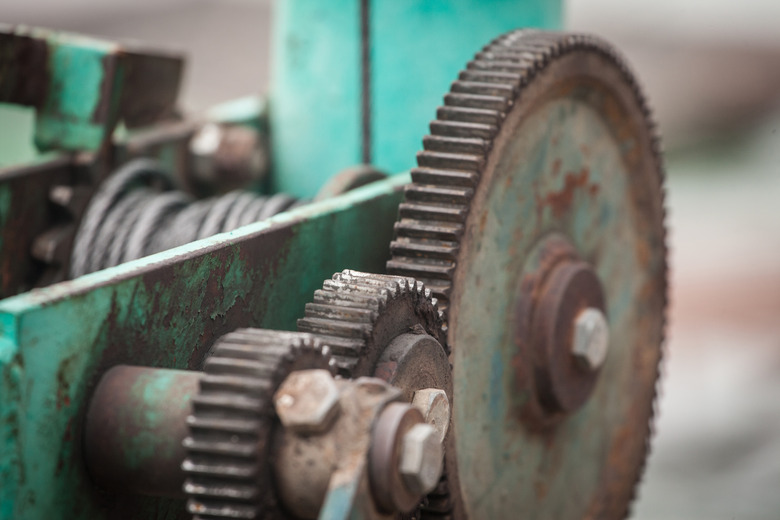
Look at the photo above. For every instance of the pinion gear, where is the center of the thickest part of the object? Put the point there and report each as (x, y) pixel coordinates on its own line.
(357, 314)
(227, 464)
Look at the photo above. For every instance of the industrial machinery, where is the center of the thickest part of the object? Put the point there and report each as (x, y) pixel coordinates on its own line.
(488, 346)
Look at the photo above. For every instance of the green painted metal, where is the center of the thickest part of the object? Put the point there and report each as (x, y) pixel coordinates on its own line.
(17, 124)
(315, 93)
(417, 49)
(82, 87)
(161, 311)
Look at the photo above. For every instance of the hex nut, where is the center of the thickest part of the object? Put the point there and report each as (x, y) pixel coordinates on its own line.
(591, 338)
(421, 460)
(435, 407)
(307, 402)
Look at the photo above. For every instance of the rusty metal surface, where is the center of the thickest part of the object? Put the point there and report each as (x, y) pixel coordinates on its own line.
(541, 133)
(326, 475)
(605, 195)
(414, 361)
(134, 427)
(555, 285)
(26, 211)
(81, 88)
(162, 311)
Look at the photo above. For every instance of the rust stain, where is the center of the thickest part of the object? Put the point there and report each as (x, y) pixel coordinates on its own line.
(483, 222)
(560, 201)
(556, 167)
(540, 487)
(63, 382)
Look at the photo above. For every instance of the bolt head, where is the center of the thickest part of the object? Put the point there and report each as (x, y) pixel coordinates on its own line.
(435, 408)
(307, 402)
(421, 460)
(591, 338)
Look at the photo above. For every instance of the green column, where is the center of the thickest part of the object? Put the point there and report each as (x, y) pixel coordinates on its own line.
(417, 49)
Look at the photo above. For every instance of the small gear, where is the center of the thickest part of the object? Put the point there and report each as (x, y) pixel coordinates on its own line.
(227, 467)
(358, 314)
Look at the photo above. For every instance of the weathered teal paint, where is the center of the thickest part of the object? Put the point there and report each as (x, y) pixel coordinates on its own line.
(79, 72)
(17, 124)
(79, 85)
(315, 93)
(163, 311)
(417, 49)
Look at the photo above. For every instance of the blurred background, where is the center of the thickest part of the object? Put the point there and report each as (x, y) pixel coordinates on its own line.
(711, 69)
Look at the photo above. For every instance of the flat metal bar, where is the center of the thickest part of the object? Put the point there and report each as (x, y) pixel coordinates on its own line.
(162, 311)
(82, 87)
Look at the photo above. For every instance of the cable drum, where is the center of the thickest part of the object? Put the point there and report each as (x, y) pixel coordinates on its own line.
(137, 212)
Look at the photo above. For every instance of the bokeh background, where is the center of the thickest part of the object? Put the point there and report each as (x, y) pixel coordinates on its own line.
(712, 71)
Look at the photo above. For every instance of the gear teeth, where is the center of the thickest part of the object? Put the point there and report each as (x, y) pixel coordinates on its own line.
(226, 470)
(351, 330)
(483, 116)
(479, 88)
(438, 194)
(435, 249)
(432, 219)
(485, 76)
(431, 213)
(444, 177)
(495, 64)
(440, 270)
(444, 231)
(498, 103)
(459, 129)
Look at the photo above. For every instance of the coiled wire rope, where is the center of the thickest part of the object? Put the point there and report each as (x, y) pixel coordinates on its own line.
(137, 212)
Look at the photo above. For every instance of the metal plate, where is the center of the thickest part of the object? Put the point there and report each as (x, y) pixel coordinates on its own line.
(575, 156)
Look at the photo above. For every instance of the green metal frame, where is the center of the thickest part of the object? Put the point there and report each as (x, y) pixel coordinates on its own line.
(167, 309)
(160, 311)
(417, 48)
(82, 87)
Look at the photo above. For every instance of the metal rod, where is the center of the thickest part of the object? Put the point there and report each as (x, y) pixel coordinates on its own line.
(135, 425)
(365, 76)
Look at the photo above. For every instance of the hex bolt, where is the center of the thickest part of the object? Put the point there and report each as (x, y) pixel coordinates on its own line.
(307, 402)
(591, 338)
(421, 460)
(435, 407)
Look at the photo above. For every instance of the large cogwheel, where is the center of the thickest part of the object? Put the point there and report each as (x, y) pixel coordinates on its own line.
(227, 464)
(538, 195)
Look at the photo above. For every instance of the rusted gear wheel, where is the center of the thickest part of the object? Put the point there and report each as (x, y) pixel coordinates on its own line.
(358, 314)
(227, 466)
(388, 327)
(539, 196)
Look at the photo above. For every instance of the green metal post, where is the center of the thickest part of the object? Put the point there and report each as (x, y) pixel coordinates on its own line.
(416, 50)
